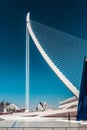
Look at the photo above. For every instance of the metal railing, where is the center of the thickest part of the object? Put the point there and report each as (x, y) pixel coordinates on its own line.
(43, 128)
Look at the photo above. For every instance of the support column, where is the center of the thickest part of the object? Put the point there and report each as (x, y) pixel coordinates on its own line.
(27, 68)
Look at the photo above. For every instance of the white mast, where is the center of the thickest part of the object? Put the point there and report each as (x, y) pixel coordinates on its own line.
(27, 66)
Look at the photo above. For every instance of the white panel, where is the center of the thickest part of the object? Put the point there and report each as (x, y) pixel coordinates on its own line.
(15, 129)
(3, 128)
(59, 129)
(30, 128)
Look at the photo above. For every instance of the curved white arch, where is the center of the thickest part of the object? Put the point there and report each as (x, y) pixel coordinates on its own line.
(68, 84)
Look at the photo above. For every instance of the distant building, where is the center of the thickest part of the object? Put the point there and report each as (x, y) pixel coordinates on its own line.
(12, 108)
(42, 106)
(1, 106)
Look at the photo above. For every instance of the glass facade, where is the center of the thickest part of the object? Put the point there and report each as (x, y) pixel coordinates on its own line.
(82, 104)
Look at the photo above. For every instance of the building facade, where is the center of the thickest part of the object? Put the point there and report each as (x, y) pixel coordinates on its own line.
(82, 105)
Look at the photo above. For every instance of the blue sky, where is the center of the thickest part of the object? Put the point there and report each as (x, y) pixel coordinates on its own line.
(68, 16)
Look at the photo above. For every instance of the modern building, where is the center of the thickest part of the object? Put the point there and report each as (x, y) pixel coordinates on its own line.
(69, 104)
(42, 106)
(1, 106)
(82, 105)
(12, 108)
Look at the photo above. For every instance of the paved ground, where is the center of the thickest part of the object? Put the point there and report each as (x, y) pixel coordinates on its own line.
(38, 123)
(15, 121)
(1, 119)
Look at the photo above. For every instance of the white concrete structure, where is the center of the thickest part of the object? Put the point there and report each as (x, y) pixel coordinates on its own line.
(69, 103)
(55, 69)
(60, 75)
(42, 106)
(12, 107)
